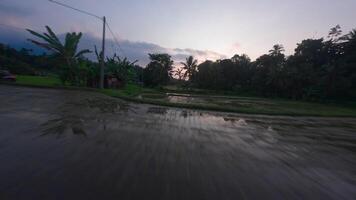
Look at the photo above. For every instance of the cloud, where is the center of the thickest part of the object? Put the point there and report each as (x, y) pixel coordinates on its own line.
(133, 50)
(235, 48)
(138, 50)
(6, 9)
(15, 16)
(200, 55)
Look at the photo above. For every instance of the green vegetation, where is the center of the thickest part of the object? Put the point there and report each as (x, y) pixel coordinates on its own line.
(321, 71)
(252, 105)
(249, 105)
(159, 70)
(129, 91)
(23, 62)
(38, 81)
(72, 68)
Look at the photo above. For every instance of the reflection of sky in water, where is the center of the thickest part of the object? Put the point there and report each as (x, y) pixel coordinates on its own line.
(213, 100)
(100, 142)
(94, 115)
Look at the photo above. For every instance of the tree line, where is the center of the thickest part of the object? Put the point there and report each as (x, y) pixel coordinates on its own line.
(66, 61)
(323, 68)
(319, 69)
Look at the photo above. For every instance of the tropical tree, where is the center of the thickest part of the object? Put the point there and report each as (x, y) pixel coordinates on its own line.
(122, 69)
(190, 67)
(350, 43)
(66, 52)
(179, 73)
(207, 75)
(335, 32)
(276, 50)
(268, 78)
(159, 71)
(244, 71)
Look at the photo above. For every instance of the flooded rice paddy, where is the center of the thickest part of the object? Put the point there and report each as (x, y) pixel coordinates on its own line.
(79, 145)
(252, 104)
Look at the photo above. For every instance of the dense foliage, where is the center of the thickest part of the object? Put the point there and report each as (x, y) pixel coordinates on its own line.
(159, 70)
(122, 69)
(65, 61)
(322, 68)
(23, 61)
(319, 69)
(67, 54)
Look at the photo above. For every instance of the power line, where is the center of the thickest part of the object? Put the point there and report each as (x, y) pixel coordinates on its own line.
(102, 60)
(76, 9)
(93, 15)
(115, 39)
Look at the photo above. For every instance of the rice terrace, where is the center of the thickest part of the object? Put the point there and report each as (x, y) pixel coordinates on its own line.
(177, 100)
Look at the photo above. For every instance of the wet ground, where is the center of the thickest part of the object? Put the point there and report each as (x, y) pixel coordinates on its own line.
(207, 100)
(240, 104)
(78, 145)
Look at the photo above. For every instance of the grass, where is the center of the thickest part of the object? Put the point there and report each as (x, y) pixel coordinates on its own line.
(196, 91)
(37, 80)
(129, 91)
(265, 106)
(248, 105)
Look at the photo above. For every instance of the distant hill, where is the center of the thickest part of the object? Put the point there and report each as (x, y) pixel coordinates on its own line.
(133, 50)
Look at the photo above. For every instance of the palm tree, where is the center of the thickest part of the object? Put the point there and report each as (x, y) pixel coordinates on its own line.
(190, 67)
(277, 50)
(179, 73)
(67, 51)
(350, 37)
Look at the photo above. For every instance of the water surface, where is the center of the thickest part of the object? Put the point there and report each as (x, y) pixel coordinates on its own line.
(68, 145)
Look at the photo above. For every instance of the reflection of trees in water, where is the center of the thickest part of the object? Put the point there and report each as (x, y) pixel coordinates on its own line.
(164, 111)
(60, 125)
(74, 114)
(157, 110)
(229, 119)
(184, 114)
(108, 105)
(187, 113)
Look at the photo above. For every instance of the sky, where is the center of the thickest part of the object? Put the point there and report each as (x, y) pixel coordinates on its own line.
(206, 29)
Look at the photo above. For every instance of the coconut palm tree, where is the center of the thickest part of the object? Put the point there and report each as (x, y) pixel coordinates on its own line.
(190, 67)
(179, 73)
(277, 50)
(350, 39)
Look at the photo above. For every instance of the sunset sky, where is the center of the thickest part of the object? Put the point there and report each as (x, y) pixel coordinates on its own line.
(208, 29)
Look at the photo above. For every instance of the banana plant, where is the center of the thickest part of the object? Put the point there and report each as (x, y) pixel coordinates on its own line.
(67, 51)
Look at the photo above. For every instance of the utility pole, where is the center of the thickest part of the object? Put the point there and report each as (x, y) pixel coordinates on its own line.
(102, 59)
(102, 64)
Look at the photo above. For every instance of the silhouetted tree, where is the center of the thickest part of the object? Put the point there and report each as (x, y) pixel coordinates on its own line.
(159, 70)
(190, 67)
(319, 69)
(179, 73)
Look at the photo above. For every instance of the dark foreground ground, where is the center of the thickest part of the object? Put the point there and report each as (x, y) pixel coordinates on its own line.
(78, 145)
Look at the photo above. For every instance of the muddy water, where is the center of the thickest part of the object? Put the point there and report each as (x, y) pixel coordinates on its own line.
(78, 145)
